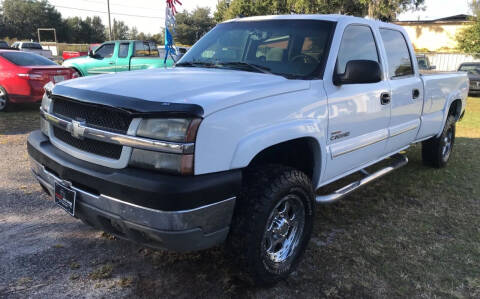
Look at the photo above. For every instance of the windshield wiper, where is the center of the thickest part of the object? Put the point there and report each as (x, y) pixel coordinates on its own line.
(256, 67)
(195, 64)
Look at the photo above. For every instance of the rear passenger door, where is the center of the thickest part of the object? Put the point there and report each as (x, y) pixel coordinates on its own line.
(406, 90)
(358, 121)
(123, 59)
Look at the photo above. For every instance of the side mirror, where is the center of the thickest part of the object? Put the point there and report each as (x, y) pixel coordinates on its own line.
(433, 67)
(359, 72)
(90, 53)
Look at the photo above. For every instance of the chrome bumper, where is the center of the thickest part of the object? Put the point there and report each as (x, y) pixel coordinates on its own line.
(185, 230)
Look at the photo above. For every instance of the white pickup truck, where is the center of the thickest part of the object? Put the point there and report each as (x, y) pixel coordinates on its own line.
(33, 47)
(235, 141)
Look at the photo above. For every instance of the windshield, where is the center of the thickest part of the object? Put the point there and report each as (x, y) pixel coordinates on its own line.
(471, 69)
(32, 46)
(26, 59)
(291, 48)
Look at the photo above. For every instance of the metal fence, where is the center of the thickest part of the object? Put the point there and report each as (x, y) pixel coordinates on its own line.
(447, 62)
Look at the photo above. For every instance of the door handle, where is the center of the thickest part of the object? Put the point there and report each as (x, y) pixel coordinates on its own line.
(111, 62)
(415, 94)
(385, 98)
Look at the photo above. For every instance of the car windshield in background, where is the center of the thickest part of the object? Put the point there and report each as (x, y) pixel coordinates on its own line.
(471, 69)
(290, 48)
(3, 44)
(26, 59)
(32, 46)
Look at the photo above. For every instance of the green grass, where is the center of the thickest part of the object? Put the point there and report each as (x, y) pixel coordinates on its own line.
(414, 233)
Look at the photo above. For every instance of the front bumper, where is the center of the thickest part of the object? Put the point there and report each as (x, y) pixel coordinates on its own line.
(198, 227)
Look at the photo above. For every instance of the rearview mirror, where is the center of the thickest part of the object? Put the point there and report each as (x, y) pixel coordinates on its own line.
(359, 72)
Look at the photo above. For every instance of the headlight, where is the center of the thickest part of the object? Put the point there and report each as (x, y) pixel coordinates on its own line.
(169, 129)
(46, 102)
(181, 130)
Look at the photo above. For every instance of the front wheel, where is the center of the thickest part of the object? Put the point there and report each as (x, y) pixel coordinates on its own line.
(436, 151)
(272, 223)
(4, 104)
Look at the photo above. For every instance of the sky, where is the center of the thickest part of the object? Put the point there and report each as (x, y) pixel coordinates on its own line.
(149, 14)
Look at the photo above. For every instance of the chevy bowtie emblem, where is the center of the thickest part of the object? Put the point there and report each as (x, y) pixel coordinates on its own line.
(77, 129)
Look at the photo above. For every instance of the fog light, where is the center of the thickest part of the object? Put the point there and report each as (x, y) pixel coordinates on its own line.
(166, 162)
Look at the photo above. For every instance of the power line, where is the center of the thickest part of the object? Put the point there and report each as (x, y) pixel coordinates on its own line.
(121, 5)
(113, 13)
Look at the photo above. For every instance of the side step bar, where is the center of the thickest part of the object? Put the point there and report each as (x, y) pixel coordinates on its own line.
(399, 161)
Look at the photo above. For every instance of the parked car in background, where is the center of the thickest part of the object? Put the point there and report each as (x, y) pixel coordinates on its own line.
(25, 74)
(180, 51)
(72, 54)
(237, 140)
(424, 63)
(33, 47)
(118, 56)
(473, 70)
(4, 45)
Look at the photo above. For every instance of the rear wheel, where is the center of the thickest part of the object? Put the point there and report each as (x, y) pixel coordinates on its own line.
(272, 223)
(77, 73)
(4, 104)
(436, 151)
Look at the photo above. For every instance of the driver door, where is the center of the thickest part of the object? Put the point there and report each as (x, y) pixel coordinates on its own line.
(358, 119)
(103, 61)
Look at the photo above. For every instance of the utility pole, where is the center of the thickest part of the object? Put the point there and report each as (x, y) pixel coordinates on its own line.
(109, 22)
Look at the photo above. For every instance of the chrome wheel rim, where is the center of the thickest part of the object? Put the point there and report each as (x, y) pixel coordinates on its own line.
(447, 144)
(3, 100)
(284, 230)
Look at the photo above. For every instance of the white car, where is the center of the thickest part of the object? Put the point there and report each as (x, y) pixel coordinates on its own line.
(236, 140)
(32, 47)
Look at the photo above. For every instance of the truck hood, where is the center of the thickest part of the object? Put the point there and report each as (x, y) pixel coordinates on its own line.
(212, 89)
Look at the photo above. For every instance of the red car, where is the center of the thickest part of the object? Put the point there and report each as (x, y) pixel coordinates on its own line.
(72, 54)
(23, 76)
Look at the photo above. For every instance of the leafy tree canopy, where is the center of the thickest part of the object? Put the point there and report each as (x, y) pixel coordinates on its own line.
(191, 26)
(385, 10)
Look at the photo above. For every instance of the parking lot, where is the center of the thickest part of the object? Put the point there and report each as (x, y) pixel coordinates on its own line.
(414, 233)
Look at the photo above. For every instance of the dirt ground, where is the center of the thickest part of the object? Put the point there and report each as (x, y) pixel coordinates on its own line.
(414, 233)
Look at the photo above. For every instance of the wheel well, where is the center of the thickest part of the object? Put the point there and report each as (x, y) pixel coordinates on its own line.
(77, 70)
(455, 109)
(299, 153)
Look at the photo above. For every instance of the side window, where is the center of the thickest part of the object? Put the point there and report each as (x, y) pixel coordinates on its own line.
(123, 50)
(358, 43)
(141, 49)
(105, 51)
(398, 55)
(153, 49)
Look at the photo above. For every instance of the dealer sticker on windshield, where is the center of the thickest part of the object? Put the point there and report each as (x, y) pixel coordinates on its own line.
(65, 198)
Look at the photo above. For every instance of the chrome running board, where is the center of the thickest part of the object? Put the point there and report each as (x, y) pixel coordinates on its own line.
(399, 161)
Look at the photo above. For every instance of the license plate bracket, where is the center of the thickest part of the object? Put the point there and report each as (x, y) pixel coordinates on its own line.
(58, 78)
(65, 197)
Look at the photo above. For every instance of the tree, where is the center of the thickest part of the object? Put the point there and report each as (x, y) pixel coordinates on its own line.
(468, 39)
(192, 26)
(97, 29)
(22, 18)
(380, 9)
(387, 10)
(133, 33)
(120, 30)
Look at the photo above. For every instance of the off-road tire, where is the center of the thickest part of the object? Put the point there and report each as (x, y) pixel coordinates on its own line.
(436, 151)
(264, 189)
